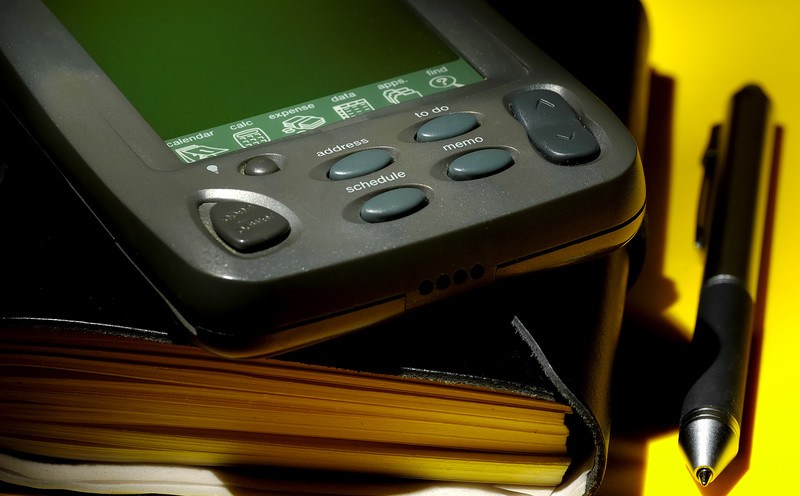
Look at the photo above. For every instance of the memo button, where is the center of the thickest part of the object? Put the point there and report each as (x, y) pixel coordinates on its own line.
(246, 227)
(478, 164)
(393, 204)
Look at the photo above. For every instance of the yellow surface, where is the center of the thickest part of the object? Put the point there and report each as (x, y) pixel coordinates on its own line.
(709, 49)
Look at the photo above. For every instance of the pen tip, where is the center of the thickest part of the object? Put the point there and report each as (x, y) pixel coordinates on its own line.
(704, 476)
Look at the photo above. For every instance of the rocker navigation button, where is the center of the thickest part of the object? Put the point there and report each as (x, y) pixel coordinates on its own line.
(554, 128)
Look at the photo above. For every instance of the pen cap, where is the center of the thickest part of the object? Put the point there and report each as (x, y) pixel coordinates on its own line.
(738, 193)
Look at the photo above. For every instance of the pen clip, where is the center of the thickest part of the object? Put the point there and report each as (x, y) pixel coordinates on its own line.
(706, 202)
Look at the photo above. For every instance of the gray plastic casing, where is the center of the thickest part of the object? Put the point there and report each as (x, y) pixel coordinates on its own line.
(334, 273)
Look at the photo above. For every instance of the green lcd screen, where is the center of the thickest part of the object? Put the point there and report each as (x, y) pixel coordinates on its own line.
(213, 77)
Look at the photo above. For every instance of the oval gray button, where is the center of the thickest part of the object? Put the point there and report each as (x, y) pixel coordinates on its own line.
(359, 164)
(393, 204)
(480, 163)
(446, 126)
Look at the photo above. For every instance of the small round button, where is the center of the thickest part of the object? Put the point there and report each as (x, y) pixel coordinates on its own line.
(260, 165)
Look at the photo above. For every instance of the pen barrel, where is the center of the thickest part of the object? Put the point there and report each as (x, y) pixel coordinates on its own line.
(721, 348)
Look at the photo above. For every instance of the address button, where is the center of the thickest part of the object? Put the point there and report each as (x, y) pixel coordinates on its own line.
(393, 204)
(359, 164)
(246, 227)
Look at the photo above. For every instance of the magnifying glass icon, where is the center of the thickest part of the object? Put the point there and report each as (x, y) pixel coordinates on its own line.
(444, 82)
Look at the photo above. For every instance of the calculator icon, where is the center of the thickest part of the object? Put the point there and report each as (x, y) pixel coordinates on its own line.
(251, 137)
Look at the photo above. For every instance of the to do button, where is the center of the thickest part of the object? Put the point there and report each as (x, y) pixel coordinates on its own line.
(446, 126)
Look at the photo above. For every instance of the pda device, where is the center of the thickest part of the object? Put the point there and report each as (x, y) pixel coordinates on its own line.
(286, 172)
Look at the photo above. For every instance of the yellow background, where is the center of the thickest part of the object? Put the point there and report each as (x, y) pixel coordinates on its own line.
(709, 49)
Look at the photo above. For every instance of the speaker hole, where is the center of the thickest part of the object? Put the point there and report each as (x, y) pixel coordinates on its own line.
(477, 271)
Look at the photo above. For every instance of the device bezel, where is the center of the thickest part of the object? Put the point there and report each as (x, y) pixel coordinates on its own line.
(149, 199)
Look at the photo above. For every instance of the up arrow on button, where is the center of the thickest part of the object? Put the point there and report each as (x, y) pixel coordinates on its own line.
(542, 101)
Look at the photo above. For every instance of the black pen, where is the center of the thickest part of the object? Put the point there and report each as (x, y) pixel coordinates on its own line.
(731, 225)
